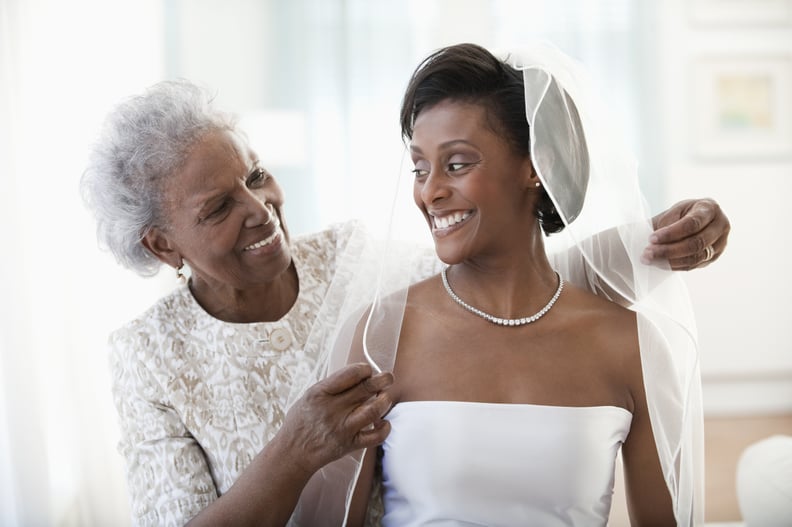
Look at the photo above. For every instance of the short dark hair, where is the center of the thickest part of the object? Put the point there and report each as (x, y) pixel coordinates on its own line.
(471, 74)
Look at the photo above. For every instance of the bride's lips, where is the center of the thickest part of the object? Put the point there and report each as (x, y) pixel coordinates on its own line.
(445, 222)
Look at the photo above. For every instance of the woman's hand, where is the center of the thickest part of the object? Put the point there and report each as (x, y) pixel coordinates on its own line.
(338, 415)
(691, 234)
(335, 416)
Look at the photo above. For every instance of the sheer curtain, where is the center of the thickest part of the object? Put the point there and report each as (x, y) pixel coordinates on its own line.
(333, 71)
(62, 65)
(318, 85)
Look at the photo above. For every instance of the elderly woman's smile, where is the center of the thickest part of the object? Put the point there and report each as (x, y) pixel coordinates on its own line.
(273, 238)
(271, 242)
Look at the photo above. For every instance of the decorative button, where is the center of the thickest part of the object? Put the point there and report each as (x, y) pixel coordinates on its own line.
(280, 338)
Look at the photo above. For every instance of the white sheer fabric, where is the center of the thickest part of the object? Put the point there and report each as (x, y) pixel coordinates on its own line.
(613, 201)
(61, 65)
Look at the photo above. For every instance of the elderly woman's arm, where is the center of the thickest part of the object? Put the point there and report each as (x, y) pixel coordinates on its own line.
(681, 235)
(168, 475)
(324, 425)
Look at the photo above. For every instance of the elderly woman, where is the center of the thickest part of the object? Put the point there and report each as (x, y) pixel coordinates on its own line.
(221, 420)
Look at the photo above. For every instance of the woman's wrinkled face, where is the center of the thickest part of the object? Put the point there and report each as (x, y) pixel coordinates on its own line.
(469, 184)
(224, 215)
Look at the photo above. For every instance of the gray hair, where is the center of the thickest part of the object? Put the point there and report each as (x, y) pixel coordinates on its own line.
(144, 140)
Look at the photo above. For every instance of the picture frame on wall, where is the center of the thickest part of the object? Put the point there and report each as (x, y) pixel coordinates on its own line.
(742, 107)
(741, 12)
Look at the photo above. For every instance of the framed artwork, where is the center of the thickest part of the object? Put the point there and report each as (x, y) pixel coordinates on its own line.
(741, 12)
(742, 107)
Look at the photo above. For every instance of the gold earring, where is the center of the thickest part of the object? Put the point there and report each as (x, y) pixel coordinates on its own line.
(180, 277)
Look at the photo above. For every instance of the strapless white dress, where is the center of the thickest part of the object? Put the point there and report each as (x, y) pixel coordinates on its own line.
(460, 463)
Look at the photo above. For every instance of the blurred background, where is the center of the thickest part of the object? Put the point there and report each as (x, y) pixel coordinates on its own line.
(702, 90)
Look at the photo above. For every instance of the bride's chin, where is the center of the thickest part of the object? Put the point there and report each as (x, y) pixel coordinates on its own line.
(447, 257)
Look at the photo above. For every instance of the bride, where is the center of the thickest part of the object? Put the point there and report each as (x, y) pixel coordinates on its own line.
(514, 389)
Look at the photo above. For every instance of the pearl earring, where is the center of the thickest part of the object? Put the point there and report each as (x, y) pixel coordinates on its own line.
(537, 184)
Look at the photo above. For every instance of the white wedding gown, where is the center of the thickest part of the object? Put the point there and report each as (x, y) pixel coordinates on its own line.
(460, 463)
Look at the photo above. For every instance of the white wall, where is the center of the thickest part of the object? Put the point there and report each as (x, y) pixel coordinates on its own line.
(742, 302)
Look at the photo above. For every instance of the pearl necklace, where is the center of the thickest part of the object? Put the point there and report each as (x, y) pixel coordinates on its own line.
(503, 321)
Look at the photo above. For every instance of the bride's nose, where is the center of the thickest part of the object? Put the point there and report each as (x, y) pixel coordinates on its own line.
(434, 187)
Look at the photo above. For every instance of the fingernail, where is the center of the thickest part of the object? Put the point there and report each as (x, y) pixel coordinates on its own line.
(646, 257)
(654, 239)
(382, 380)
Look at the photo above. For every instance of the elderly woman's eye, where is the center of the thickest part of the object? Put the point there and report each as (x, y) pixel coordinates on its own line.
(257, 177)
(216, 212)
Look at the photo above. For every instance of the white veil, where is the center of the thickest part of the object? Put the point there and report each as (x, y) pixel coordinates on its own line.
(607, 227)
(609, 230)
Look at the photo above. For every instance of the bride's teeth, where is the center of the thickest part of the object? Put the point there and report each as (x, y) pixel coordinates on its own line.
(452, 219)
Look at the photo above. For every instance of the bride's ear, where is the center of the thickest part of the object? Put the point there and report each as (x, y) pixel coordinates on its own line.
(533, 181)
(543, 157)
